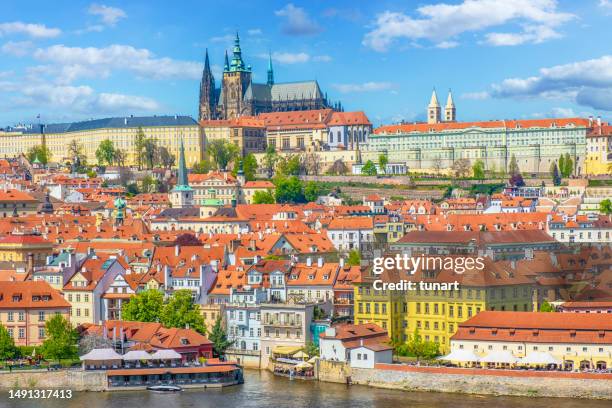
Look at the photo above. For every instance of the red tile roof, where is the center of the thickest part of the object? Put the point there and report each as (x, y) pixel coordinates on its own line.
(30, 295)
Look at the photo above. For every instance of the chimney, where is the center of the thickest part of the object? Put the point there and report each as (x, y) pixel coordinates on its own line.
(320, 262)
(167, 276)
(309, 261)
(599, 121)
(30, 263)
(214, 264)
(177, 250)
(342, 262)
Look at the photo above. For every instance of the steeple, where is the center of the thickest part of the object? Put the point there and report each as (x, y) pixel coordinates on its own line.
(237, 62)
(206, 62)
(270, 71)
(226, 64)
(450, 113)
(182, 171)
(208, 100)
(434, 112)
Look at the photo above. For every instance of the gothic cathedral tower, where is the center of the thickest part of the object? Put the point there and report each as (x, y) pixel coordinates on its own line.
(208, 103)
(236, 80)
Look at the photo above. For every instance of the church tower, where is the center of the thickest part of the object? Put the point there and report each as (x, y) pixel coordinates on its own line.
(434, 112)
(270, 72)
(450, 113)
(181, 195)
(236, 80)
(207, 92)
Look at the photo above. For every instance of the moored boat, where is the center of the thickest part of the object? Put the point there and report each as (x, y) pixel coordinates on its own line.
(165, 388)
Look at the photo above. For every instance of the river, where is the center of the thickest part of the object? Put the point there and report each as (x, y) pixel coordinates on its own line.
(262, 389)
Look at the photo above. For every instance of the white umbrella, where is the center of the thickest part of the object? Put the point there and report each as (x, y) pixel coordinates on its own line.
(166, 354)
(101, 355)
(136, 355)
(500, 357)
(539, 357)
(463, 356)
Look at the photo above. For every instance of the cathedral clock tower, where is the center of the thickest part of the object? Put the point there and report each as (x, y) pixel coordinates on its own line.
(236, 80)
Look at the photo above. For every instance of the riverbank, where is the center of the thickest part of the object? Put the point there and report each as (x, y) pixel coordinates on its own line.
(472, 381)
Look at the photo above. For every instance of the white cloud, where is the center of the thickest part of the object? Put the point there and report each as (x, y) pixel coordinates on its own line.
(70, 63)
(363, 87)
(254, 32)
(587, 83)
(475, 95)
(606, 4)
(17, 48)
(228, 38)
(109, 15)
(322, 58)
(562, 112)
(442, 22)
(531, 34)
(447, 44)
(32, 30)
(290, 58)
(297, 21)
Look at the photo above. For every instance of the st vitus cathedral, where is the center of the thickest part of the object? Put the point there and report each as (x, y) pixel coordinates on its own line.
(240, 96)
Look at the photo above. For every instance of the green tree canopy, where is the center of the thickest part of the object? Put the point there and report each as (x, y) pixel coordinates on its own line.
(546, 307)
(419, 348)
(354, 258)
(554, 173)
(145, 306)
(219, 339)
(76, 150)
(289, 190)
(290, 167)
(41, 152)
(312, 191)
(478, 168)
(249, 166)
(568, 166)
(8, 350)
(180, 311)
(139, 148)
(61, 339)
(605, 206)
(221, 152)
(270, 160)
(263, 197)
(202, 167)
(369, 169)
(383, 160)
(150, 152)
(106, 152)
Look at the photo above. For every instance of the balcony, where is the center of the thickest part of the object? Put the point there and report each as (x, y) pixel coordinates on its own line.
(343, 301)
(282, 323)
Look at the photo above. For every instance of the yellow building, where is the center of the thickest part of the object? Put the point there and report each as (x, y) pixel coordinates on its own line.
(24, 248)
(168, 131)
(598, 160)
(436, 314)
(248, 133)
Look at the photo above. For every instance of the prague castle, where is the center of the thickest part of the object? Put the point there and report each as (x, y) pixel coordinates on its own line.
(240, 96)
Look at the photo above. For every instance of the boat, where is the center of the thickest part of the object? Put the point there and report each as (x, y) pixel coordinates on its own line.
(164, 388)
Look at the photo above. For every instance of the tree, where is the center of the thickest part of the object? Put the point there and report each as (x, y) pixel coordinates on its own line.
(164, 158)
(145, 306)
(568, 166)
(61, 340)
(150, 153)
(270, 160)
(478, 169)
(311, 191)
(354, 258)
(182, 312)
(120, 157)
(561, 164)
(75, 151)
(222, 152)
(202, 167)
(219, 339)
(8, 350)
(139, 147)
(187, 239)
(516, 178)
(383, 160)
(419, 348)
(338, 168)
(311, 163)
(311, 349)
(149, 184)
(249, 166)
(369, 169)
(263, 197)
(91, 341)
(546, 307)
(289, 190)
(461, 167)
(554, 173)
(318, 313)
(437, 164)
(291, 166)
(106, 152)
(605, 206)
(41, 152)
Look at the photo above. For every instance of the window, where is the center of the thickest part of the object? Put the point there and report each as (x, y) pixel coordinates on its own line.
(21, 316)
(41, 316)
(11, 316)
(41, 332)
(365, 356)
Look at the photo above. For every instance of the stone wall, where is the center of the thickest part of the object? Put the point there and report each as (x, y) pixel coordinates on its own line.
(520, 385)
(333, 371)
(76, 380)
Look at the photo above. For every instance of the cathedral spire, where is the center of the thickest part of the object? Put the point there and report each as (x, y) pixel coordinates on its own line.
(182, 171)
(434, 99)
(434, 111)
(226, 65)
(450, 112)
(206, 62)
(270, 71)
(237, 62)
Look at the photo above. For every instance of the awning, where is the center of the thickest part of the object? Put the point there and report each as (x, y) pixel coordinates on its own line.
(463, 356)
(104, 354)
(500, 357)
(304, 365)
(300, 354)
(136, 355)
(286, 350)
(288, 361)
(166, 354)
(539, 357)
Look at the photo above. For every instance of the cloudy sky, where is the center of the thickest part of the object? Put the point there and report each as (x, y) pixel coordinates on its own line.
(71, 60)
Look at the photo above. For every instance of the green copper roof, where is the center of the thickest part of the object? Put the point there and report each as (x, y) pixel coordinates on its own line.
(237, 62)
(182, 183)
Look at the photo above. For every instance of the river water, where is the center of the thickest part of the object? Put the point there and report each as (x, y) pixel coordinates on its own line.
(262, 389)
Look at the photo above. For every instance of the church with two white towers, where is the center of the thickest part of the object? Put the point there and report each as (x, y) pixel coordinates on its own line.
(434, 110)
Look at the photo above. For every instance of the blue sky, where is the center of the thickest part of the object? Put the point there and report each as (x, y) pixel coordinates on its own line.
(71, 60)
